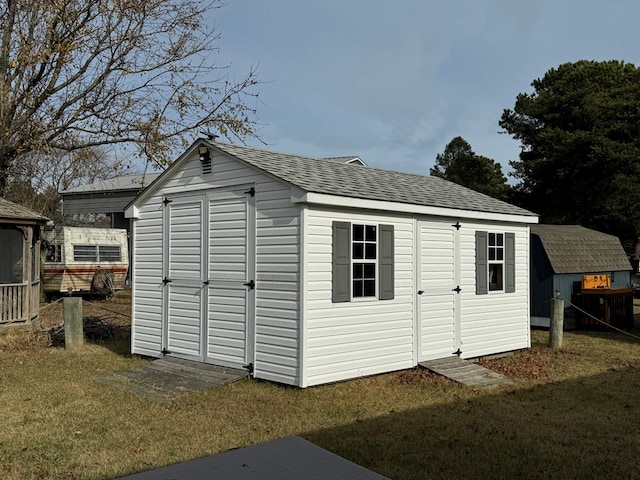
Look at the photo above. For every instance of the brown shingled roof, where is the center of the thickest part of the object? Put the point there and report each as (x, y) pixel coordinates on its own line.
(576, 249)
(13, 213)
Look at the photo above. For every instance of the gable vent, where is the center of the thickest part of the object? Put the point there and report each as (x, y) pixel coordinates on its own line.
(205, 159)
(206, 166)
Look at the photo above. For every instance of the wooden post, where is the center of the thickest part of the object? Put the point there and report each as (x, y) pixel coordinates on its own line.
(73, 331)
(556, 324)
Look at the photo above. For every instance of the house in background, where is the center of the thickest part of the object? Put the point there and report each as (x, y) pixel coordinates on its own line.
(20, 241)
(108, 197)
(562, 254)
(306, 272)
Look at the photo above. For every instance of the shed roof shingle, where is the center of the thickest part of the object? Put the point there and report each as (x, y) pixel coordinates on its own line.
(335, 178)
(576, 249)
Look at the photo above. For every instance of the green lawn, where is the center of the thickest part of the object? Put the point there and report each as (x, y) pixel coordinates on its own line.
(574, 413)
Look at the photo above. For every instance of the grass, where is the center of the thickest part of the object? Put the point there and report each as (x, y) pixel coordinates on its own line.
(574, 413)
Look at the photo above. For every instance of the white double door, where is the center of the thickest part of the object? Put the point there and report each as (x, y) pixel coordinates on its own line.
(209, 266)
(438, 290)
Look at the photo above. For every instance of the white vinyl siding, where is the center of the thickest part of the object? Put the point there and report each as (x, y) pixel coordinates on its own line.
(439, 303)
(229, 339)
(277, 263)
(146, 332)
(351, 339)
(497, 322)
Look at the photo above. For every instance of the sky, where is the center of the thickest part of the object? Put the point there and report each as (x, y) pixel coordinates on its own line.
(394, 81)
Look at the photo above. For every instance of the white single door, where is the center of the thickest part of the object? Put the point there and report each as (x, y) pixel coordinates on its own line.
(437, 290)
(231, 285)
(184, 276)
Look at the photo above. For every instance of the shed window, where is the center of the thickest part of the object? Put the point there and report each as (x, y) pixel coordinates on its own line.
(495, 262)
(364, 259)
(362, 265)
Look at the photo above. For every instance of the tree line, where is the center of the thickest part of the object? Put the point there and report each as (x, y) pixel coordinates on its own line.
(80, 78)
(579, 134)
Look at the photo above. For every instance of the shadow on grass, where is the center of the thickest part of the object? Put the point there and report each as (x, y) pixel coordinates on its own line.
(631, 337)
(588, 428)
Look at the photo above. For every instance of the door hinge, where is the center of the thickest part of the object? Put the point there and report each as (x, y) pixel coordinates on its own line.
(164, 351)
(251, 191)
(165, 280)
(251, 284)
(166, 201)
(248, 366)
(458, 352)
(457, 225)
(457, 289)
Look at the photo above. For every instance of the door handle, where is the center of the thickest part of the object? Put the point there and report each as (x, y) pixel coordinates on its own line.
(251, 284)
(420, 292)
(205, 282)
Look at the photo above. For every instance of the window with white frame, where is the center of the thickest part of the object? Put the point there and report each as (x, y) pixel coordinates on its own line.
(362, 264)
(496, 261)
(364, 259)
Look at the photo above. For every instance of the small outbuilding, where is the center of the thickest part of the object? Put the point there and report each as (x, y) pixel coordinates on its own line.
(562, 255)
(107, 197)
(20, 237)
(306, 271)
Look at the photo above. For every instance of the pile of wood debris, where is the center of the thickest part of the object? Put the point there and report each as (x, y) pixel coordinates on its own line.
(96, 329)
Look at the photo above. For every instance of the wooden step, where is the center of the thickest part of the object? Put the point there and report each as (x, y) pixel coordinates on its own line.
(465, 372)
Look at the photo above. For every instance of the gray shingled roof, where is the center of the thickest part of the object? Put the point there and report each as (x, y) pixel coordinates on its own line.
(13, 211)
(125, 182)
(353, 159)
(334, 178)
(576, 249)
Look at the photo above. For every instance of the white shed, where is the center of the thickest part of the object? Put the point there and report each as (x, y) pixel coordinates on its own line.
(307, 271)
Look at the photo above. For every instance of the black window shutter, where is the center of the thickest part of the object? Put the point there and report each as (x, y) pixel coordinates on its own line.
(385, 267)
(510, 263)
(341, 262)
(482, 264)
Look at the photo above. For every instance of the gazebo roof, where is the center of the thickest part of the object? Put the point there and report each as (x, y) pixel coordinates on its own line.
(17, 214)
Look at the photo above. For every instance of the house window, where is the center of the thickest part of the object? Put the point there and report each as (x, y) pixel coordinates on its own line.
(496, 261)
(362, 262)
(364, 258)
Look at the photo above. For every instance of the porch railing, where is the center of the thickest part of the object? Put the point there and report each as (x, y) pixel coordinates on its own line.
(19, 302)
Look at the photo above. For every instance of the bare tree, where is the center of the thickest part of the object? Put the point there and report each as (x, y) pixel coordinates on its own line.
(139, 72)
(36, 179)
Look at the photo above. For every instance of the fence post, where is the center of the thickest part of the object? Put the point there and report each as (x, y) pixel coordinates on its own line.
(73, 331)
(556, 325)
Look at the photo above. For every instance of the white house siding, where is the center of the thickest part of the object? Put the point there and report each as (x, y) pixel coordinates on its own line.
(361, 337)
(277, 263)
(495, 322)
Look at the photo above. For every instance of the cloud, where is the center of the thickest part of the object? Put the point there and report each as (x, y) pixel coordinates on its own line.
(394, 82)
